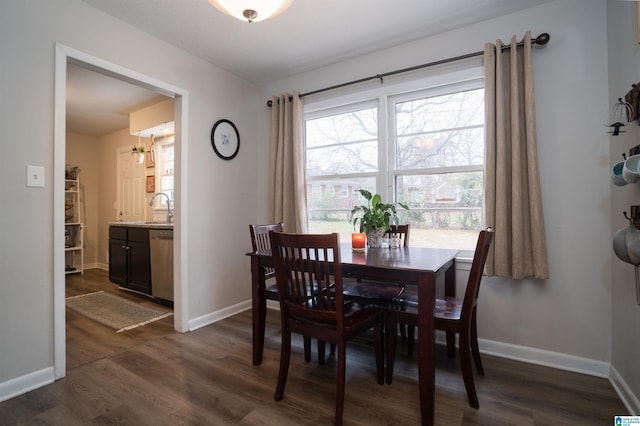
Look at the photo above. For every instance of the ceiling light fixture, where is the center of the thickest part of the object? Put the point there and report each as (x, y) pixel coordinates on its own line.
(251, 10)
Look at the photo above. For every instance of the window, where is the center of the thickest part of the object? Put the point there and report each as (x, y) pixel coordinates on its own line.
(164, 170)
(341, 151)
(423, 147)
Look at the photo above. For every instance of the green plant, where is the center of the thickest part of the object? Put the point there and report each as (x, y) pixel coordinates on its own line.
(138, 149)
(374, 214)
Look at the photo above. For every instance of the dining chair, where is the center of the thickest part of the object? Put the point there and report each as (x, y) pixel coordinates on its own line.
(401, 231)
(260, 242)
(451, 314)
(310, 264)
(366, 291)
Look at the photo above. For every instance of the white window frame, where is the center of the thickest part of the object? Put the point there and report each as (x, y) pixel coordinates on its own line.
(161, 205)
(462, 75)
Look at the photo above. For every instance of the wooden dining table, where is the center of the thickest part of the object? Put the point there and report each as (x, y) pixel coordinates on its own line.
(419, 266)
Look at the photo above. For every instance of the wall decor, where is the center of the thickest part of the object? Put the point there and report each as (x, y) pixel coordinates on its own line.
(151, 183)
(225, 139)
(151, 156)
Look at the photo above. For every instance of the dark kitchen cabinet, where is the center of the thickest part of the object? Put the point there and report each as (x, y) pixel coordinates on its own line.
(129, 259)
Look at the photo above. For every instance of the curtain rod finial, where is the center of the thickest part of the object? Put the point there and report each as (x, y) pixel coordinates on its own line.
(543, 39)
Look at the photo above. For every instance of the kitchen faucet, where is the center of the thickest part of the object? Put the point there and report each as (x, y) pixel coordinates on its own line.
(169, 210)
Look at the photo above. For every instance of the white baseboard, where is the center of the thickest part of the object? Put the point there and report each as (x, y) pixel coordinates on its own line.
(630, 401)
(561, 361)
(558, 360)
(26, 383)
(212, 317)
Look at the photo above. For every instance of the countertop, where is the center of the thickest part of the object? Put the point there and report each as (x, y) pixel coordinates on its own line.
(155, 225)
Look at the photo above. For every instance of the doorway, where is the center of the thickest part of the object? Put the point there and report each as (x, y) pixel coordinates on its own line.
(64, 56)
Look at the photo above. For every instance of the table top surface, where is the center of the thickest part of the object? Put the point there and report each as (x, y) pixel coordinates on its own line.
(402, 258)
(405, 258)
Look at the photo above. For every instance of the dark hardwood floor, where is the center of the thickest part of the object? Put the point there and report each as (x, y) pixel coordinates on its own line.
(154, 376)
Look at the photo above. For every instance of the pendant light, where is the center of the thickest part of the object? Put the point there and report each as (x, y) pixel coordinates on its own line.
(251, 10)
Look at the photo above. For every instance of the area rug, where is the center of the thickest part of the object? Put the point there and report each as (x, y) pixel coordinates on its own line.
(113, 311)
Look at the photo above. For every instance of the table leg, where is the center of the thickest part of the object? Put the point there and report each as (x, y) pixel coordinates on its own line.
(258, 309)
(426, 346)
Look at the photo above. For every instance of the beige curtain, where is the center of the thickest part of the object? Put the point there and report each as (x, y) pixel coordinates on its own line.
(287, 178)
(513, 199)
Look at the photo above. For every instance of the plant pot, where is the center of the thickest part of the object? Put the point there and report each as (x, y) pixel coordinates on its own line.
(374, 238)
(140, 157)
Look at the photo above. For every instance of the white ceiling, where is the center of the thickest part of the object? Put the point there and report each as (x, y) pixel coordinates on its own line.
(98, 104)
(310, 34)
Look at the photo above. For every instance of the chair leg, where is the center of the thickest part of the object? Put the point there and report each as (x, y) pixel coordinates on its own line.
(340, 381)
(285, 355)
(391, 338)
(378, 342)
(451, 344)
(307, 348)
(475, 350)
(321, 346)
(467, 370)
(411, 335)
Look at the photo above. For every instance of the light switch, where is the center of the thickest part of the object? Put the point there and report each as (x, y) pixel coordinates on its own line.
(35, 176)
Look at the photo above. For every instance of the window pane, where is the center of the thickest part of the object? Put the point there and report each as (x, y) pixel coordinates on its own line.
(164, 170)
(442, 149)
(329, 204)
(441, 205)
(352, 126)
(351, 158)
(455, 110)
(450, 190)
(344, 143)
(440, 131)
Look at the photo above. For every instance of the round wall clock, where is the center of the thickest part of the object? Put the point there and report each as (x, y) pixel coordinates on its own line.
(225, 139)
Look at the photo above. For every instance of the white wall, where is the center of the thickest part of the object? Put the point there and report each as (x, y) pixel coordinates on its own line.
(566, 320)
(222, 193)
(624, 70)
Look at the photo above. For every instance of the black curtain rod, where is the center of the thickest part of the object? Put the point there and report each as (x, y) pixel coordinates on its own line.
(541, 40)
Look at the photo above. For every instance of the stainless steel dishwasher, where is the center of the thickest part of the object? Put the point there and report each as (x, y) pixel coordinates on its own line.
(161, 251)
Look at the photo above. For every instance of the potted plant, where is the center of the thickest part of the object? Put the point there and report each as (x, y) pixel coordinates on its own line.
(138, 151)
(374, 217)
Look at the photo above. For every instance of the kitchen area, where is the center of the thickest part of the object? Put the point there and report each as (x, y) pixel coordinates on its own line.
(141, 251)
(141, 258)
(126, 186)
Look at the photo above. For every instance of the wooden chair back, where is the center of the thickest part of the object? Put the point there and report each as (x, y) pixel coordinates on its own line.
(309, 277)
(401, 231)
(260, 240)
(475, 276)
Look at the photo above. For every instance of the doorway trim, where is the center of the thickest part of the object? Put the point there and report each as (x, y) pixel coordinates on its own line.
(63, 56)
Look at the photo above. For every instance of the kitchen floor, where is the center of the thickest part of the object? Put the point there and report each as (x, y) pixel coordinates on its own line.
(87, 340)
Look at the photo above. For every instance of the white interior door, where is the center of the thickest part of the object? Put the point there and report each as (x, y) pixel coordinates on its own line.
(131, 188)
